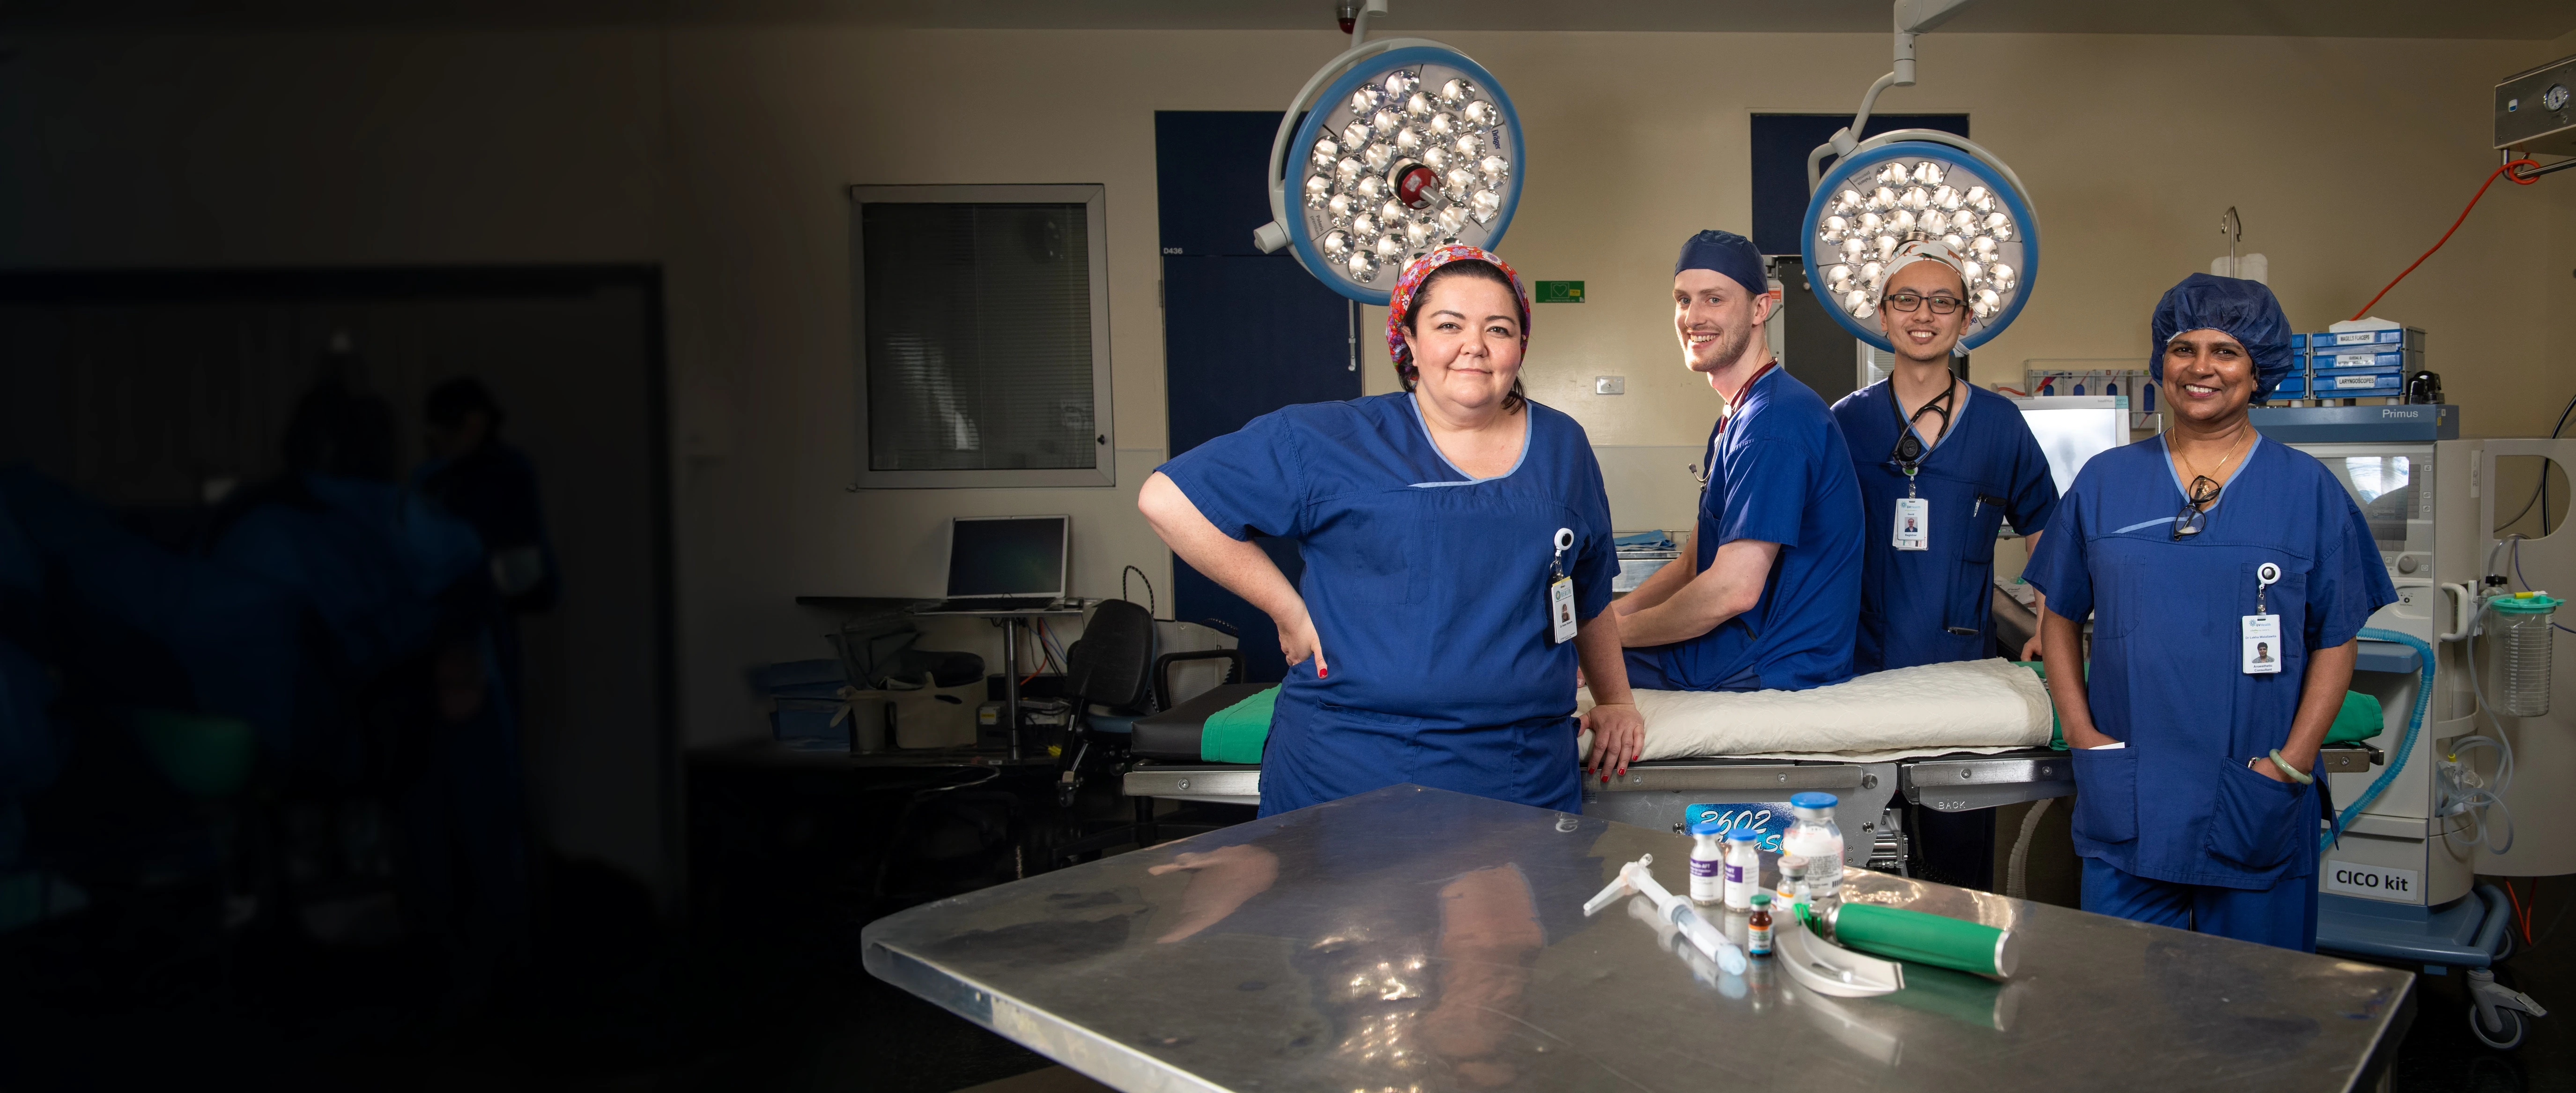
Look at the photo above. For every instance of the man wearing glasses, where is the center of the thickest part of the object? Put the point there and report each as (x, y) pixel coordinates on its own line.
(2227, 579)
(1942, 464)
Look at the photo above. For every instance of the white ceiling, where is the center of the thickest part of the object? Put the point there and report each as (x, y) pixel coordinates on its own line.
(2509, 19)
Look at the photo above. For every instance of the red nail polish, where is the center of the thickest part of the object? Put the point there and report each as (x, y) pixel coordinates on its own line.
(1322, 672)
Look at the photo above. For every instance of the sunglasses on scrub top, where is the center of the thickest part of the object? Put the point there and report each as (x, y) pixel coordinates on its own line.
(1941, 305)
(2193, 518)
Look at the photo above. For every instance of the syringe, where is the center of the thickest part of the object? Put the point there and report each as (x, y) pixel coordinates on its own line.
(1633, 878)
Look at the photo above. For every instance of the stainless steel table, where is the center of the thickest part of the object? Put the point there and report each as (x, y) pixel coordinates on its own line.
(1412, 939)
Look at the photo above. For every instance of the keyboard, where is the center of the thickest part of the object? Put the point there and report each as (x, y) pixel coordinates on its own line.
(989, 603)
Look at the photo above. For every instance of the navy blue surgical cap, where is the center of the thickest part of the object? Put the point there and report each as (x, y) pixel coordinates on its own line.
(2243, 310)
(1728, 253)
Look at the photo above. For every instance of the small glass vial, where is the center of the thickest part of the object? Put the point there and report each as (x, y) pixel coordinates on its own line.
(1757, 929)
(1793, 873)
(1707, 861)
(1743, 867)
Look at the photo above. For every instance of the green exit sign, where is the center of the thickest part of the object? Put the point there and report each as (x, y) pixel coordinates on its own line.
(1560, 292)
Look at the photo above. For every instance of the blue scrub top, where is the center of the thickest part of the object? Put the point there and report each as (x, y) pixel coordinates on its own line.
(2178, 803)
(1779, 472)
(1933, 606)
(1429, 593)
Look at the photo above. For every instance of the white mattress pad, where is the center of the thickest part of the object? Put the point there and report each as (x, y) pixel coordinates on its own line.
(1981, 706)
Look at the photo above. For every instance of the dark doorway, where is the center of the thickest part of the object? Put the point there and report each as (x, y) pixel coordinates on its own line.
(159, 393)
(1815, 349)
(1244, 333)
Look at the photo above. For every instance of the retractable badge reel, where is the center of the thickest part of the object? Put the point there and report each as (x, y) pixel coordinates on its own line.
(2262, 628)
(1560, 588)
(1913, 513)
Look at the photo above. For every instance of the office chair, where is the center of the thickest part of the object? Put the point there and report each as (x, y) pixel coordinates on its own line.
(1106, 668)
(1111, 668)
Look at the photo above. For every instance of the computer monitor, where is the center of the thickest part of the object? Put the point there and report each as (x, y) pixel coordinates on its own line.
(2072, 429)
(1013, 556)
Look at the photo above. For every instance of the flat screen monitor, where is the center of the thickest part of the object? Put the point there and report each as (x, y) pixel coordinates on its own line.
(1007, 555)
(2073, 429)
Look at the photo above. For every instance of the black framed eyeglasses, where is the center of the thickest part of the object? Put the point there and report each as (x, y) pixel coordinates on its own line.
(1941, 305)
(2193, 517)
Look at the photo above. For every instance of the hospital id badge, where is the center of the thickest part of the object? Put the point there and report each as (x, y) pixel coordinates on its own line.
(1560, 607)
(2262, 644)
(1913, 523)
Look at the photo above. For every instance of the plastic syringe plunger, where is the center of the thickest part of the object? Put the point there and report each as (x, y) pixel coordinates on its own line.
(1633, 878)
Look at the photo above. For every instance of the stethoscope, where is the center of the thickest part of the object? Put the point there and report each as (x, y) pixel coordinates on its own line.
(1909, 451)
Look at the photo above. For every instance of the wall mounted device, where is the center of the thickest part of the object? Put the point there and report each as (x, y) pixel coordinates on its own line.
(2533, 111)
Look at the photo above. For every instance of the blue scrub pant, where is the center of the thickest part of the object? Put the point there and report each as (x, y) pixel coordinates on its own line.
(2284, 915)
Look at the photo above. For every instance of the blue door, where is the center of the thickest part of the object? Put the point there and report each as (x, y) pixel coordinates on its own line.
(1244, 333)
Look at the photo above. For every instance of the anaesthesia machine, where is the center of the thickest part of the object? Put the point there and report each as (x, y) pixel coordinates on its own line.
(2474, 755)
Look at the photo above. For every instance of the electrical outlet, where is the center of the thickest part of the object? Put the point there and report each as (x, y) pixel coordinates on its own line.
(1609, 385)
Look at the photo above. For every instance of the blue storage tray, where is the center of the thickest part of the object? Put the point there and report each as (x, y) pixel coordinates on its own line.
(2348, 360)
(2345, 384)
(2292, 386)
(2328, 375)
(806, 724)
(2411, 337)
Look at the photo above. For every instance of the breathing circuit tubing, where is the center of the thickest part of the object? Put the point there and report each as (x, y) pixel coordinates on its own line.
(2479, 799)
(2406, 746)
(2483, 798)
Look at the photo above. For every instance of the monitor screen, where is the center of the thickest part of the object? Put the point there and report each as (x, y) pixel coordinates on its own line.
(1007, 556)
(2070, 436)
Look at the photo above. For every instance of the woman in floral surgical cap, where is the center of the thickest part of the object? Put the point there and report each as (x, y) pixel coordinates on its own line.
(1458, 557)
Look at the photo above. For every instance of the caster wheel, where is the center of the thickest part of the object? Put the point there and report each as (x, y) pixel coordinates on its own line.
(2516, 1024)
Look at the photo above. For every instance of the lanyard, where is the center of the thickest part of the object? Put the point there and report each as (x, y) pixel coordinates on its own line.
(1909, 452)
(1719, 436)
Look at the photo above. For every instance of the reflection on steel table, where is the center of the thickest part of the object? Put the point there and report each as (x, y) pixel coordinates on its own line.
(1413, 939)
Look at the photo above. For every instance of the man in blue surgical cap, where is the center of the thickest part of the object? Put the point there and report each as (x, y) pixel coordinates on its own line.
(2228, 579)
(1766, 595)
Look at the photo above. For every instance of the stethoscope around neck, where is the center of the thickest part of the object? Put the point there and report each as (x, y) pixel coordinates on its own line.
(1909, 450)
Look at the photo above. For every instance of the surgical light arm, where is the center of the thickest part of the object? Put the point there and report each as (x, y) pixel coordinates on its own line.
(1918, 17)
(1912, 17)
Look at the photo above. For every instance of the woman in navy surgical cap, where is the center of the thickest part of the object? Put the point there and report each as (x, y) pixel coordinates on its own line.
(2227, 578)
(1458, 557)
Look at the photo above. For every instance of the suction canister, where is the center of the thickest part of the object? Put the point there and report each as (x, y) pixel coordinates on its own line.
(1938, 940)
(2521, 631)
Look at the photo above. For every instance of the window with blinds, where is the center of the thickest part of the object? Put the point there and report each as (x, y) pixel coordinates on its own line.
(982, 316)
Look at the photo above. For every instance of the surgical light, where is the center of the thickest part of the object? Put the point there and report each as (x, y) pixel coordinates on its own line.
(1909, 184)
(1414, 146)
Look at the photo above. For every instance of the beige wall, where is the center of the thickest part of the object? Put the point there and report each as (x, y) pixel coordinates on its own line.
(721, 153)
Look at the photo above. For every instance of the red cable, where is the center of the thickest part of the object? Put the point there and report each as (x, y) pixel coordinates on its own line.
(2524, 916)
(2508, 171)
